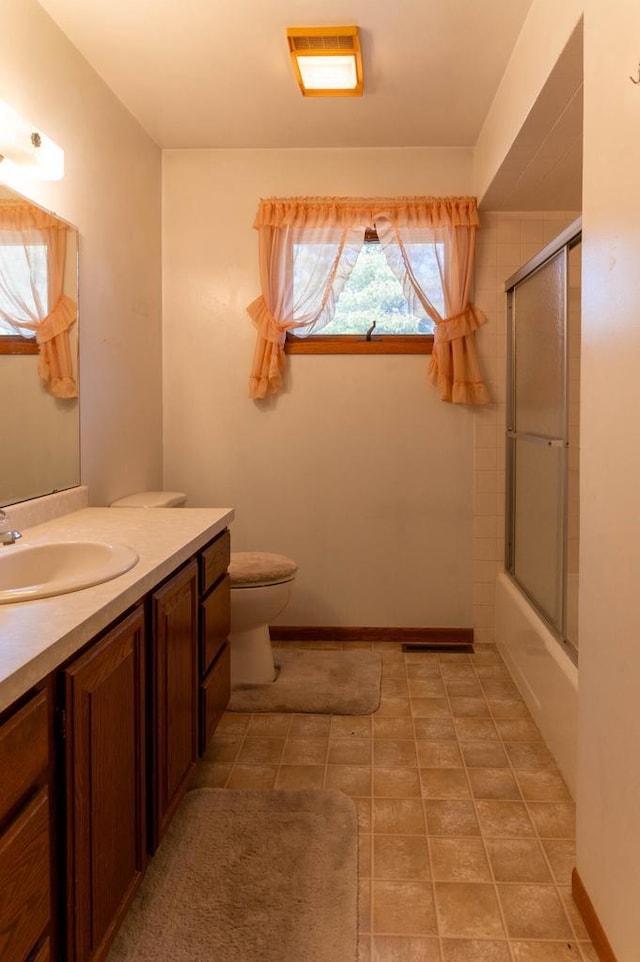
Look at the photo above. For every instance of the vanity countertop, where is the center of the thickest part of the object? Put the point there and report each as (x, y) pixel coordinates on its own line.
(38, 636)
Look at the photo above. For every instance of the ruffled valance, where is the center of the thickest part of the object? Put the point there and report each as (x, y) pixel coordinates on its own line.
(322, 212)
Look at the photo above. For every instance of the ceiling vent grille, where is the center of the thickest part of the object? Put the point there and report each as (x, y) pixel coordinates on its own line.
(323, 43)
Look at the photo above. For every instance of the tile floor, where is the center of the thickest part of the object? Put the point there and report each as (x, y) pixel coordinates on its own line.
(466, 826)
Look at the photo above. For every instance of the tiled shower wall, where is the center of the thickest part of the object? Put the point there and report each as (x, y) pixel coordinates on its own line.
(505, 242)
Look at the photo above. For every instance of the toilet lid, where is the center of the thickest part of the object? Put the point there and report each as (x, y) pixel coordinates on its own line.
(256, 568)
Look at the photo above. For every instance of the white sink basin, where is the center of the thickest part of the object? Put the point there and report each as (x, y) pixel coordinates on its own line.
(29, 571)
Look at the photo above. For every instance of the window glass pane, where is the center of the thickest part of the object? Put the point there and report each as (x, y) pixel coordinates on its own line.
(373, 293)
(23, 286)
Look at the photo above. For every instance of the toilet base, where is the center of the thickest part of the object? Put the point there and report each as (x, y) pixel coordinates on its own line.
(252, 657)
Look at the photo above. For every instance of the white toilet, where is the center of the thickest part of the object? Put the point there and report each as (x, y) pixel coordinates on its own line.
(260, 589)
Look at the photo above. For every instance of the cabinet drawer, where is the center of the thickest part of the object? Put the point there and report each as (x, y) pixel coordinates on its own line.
(24, 880)
(215, 623)
(24, 752)
(214, 696)
(214, 561)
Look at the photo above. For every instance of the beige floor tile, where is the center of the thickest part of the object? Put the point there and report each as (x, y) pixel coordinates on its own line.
(211, 775)
(542, 786)
(469, 707)
(300, 776)
(223, 748)
(435, 729)
(350, 726)
(451, 817)
(496, 783)
(396, 781)
(517, 860)
(469, 910)
(499, 688)
(394, 707)
(392, 727)
(233, 723)
(459, 860)
(534, 912)
(349, 751)
(426, 688)
(398, 948)
(475, 729)
(305, 751)
(310, 726)
(501, 819)
(252, 776)
(422, 668)
(364, 856)
(257, 749)
(562, 858)
(529, 756)
(518, 730)
(430, 707)
(589, 953)
(573, 914)
(364, 947)
(403, 908)
(444, 783)
(484, 754)
(546, 951)
(553, 819)
(350, 779)
(463, 689)
(364, 905)
(472, 950)
(508, 708)
(394, 688)
(400, 857)
(438, 754)
(394, 753)
(365, 816)
(269, 723)
(393, 816)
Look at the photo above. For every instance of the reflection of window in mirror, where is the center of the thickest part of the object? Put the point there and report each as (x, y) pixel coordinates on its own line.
(26, 265)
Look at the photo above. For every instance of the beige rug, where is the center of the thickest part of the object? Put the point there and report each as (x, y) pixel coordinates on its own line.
(322, 682)
(249, 877)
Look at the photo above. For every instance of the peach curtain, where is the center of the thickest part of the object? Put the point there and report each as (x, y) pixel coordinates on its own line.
(24, 229)
(335, 226)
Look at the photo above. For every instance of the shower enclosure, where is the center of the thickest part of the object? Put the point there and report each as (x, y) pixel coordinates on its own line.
(543, 372)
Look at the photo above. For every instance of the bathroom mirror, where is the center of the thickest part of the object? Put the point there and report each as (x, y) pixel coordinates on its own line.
(39, 432)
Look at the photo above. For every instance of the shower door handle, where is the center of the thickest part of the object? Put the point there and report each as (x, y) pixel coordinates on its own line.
(536, 439)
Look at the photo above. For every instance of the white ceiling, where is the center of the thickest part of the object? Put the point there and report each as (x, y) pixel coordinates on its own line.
(214, 74)
(208, 73)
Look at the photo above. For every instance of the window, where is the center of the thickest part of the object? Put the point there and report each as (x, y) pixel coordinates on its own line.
(23, 295)
(372, 314)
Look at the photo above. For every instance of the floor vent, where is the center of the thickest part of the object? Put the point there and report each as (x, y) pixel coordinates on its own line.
(434, 646)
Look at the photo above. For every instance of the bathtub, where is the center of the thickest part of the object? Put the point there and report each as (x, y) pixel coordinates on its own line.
(544, 673)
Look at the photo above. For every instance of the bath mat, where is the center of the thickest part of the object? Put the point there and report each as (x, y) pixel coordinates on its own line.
(322, 682)
(249, 876)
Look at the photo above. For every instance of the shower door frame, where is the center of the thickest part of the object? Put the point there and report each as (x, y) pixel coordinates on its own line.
(568, 239)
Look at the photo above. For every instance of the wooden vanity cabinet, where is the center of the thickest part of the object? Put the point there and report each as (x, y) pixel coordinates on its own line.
(25, 814)
(174, 694)
(105, 747)
(215, 624)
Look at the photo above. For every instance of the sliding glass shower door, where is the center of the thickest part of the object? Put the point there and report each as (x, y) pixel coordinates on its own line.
(538, 431)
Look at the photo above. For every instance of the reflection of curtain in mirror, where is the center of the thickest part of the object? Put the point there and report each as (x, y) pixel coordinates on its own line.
(32, 301)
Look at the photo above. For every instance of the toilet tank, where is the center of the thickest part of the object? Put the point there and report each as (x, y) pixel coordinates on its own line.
(152, 499)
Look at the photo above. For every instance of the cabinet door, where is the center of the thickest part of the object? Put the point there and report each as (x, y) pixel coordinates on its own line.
(174, 658)
(106, 800)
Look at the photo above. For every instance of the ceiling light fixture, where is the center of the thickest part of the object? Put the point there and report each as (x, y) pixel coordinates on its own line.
(24, 149)
(326, 60)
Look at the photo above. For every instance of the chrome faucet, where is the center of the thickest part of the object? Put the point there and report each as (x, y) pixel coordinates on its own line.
(7, 535)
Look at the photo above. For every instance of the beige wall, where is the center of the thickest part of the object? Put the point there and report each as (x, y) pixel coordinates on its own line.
(609, 755)
(111, 191)
(544, 35)
(359, 472)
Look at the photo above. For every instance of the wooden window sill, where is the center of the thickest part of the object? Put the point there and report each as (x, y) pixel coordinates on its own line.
(18, 345)
(356, 344)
